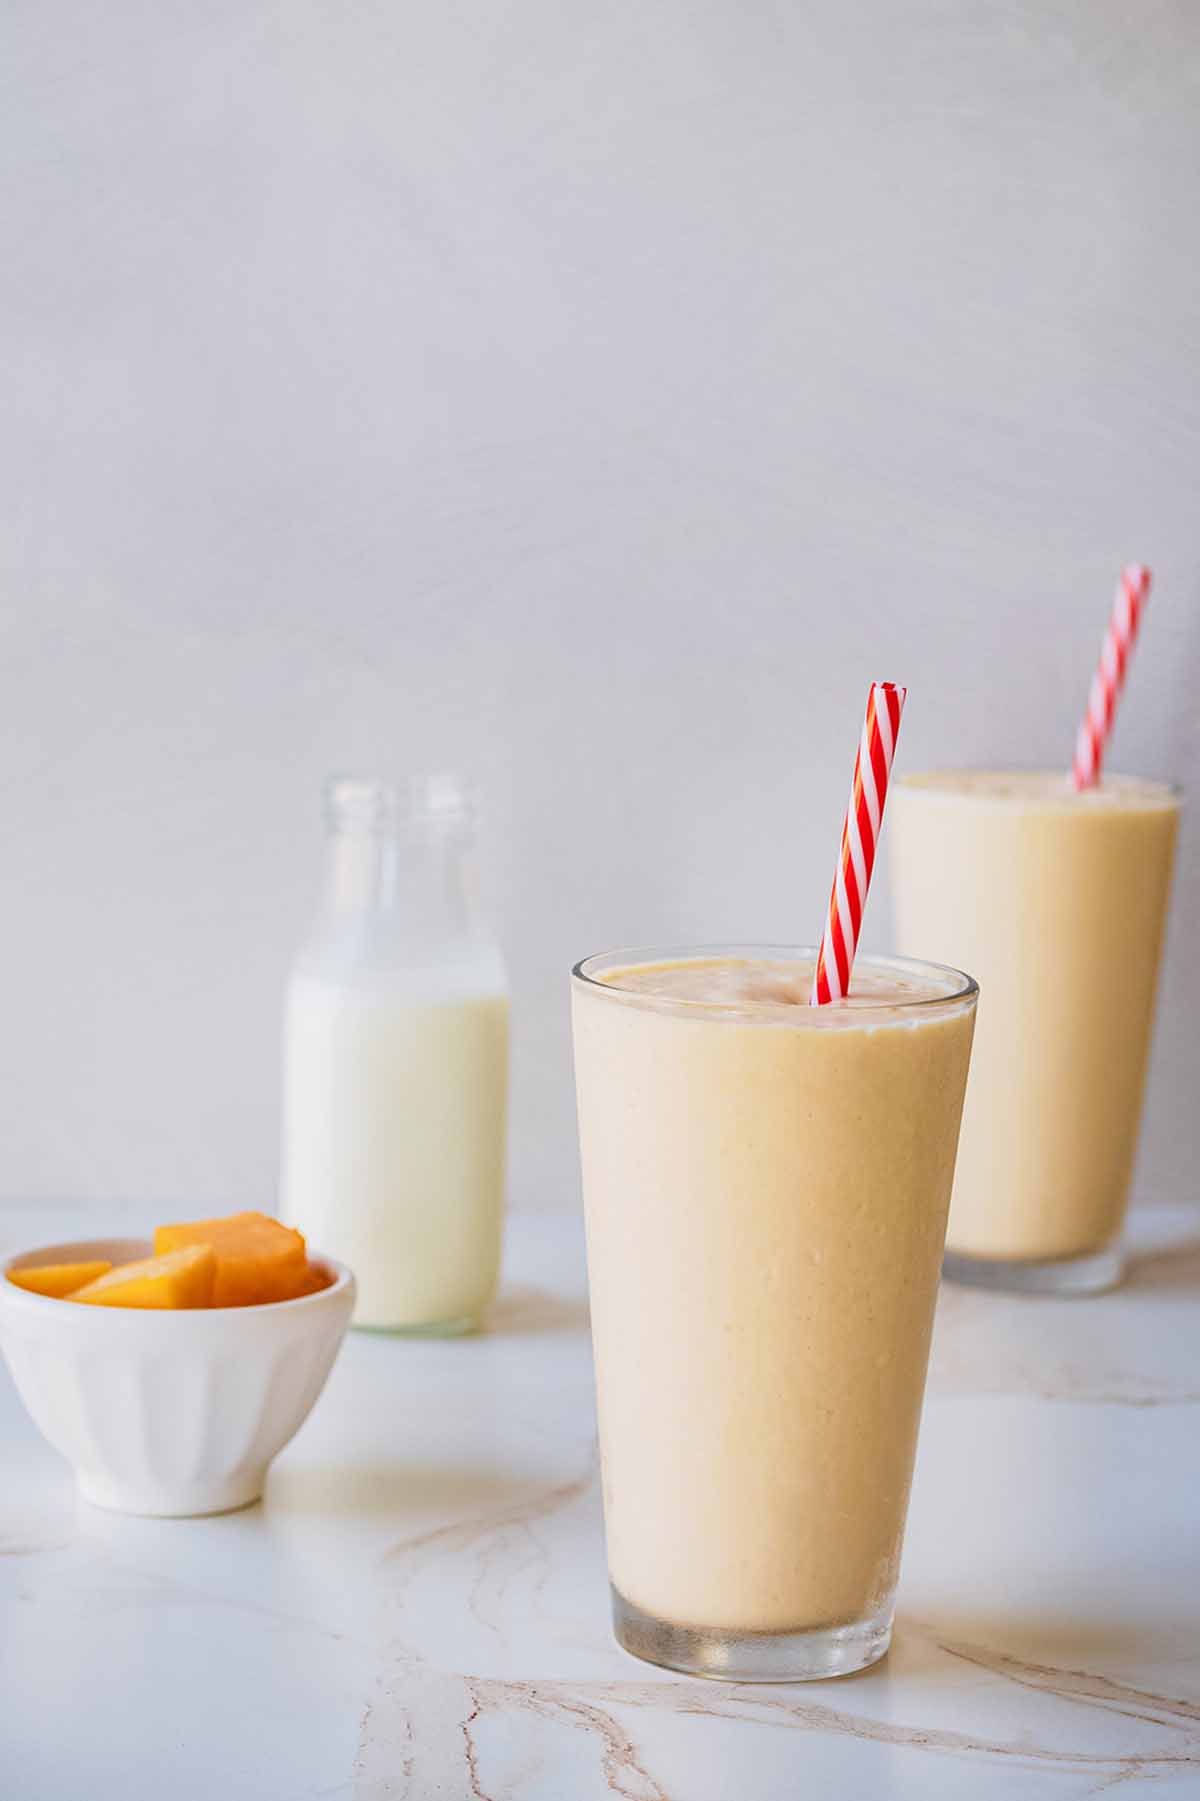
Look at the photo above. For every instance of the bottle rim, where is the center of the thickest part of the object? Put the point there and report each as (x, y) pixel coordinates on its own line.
(368, 803)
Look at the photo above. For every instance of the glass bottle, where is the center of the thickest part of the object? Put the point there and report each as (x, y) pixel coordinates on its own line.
(396, 1061)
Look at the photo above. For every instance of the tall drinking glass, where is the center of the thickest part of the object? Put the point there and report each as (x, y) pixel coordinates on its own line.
(766, 1186)
(1056, 899)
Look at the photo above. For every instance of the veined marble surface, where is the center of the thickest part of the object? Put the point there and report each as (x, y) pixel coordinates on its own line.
(419, 1609)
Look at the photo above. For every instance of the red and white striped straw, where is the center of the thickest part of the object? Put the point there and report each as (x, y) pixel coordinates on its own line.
(1132, 593)
(860, 836)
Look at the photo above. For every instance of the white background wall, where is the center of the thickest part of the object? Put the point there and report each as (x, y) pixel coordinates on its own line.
(596, 397)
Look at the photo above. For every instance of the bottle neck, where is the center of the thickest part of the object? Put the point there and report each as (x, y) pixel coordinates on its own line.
(416, 883)
(399, 888)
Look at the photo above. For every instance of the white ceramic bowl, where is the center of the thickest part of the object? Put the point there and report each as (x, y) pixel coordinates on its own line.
(168, 1412)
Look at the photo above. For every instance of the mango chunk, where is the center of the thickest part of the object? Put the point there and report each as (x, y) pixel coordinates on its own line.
(58, 1280)
(182, 1278)
(314, 1281)
(257, 1259)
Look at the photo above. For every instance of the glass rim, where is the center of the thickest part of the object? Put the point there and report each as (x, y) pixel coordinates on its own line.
(964, 991)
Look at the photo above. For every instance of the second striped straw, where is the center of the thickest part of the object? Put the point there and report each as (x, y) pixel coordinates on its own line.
(860, 837)
(1133, 591)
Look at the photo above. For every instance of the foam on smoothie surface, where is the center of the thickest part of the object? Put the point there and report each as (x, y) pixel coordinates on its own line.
(1042, 787)
(750, 984)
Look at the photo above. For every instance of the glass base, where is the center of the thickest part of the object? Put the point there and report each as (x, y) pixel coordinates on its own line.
(809, 1656)
(1092, 1273)
(438, 1328)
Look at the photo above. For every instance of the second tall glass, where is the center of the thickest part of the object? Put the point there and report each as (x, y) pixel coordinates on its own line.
(1056, 900)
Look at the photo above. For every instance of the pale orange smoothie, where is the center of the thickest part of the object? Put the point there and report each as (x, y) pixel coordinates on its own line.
(1056, 902)
(766, 1186)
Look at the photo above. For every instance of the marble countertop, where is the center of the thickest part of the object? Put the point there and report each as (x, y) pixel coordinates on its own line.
(420, 1609)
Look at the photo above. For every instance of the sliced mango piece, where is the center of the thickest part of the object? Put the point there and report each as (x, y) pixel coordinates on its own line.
(59, 1279)
(257, 1258)
(181, 1278)
(314, 1281)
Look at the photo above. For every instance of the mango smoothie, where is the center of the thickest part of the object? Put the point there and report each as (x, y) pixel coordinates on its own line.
(1056, 901)
(766, 1186)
